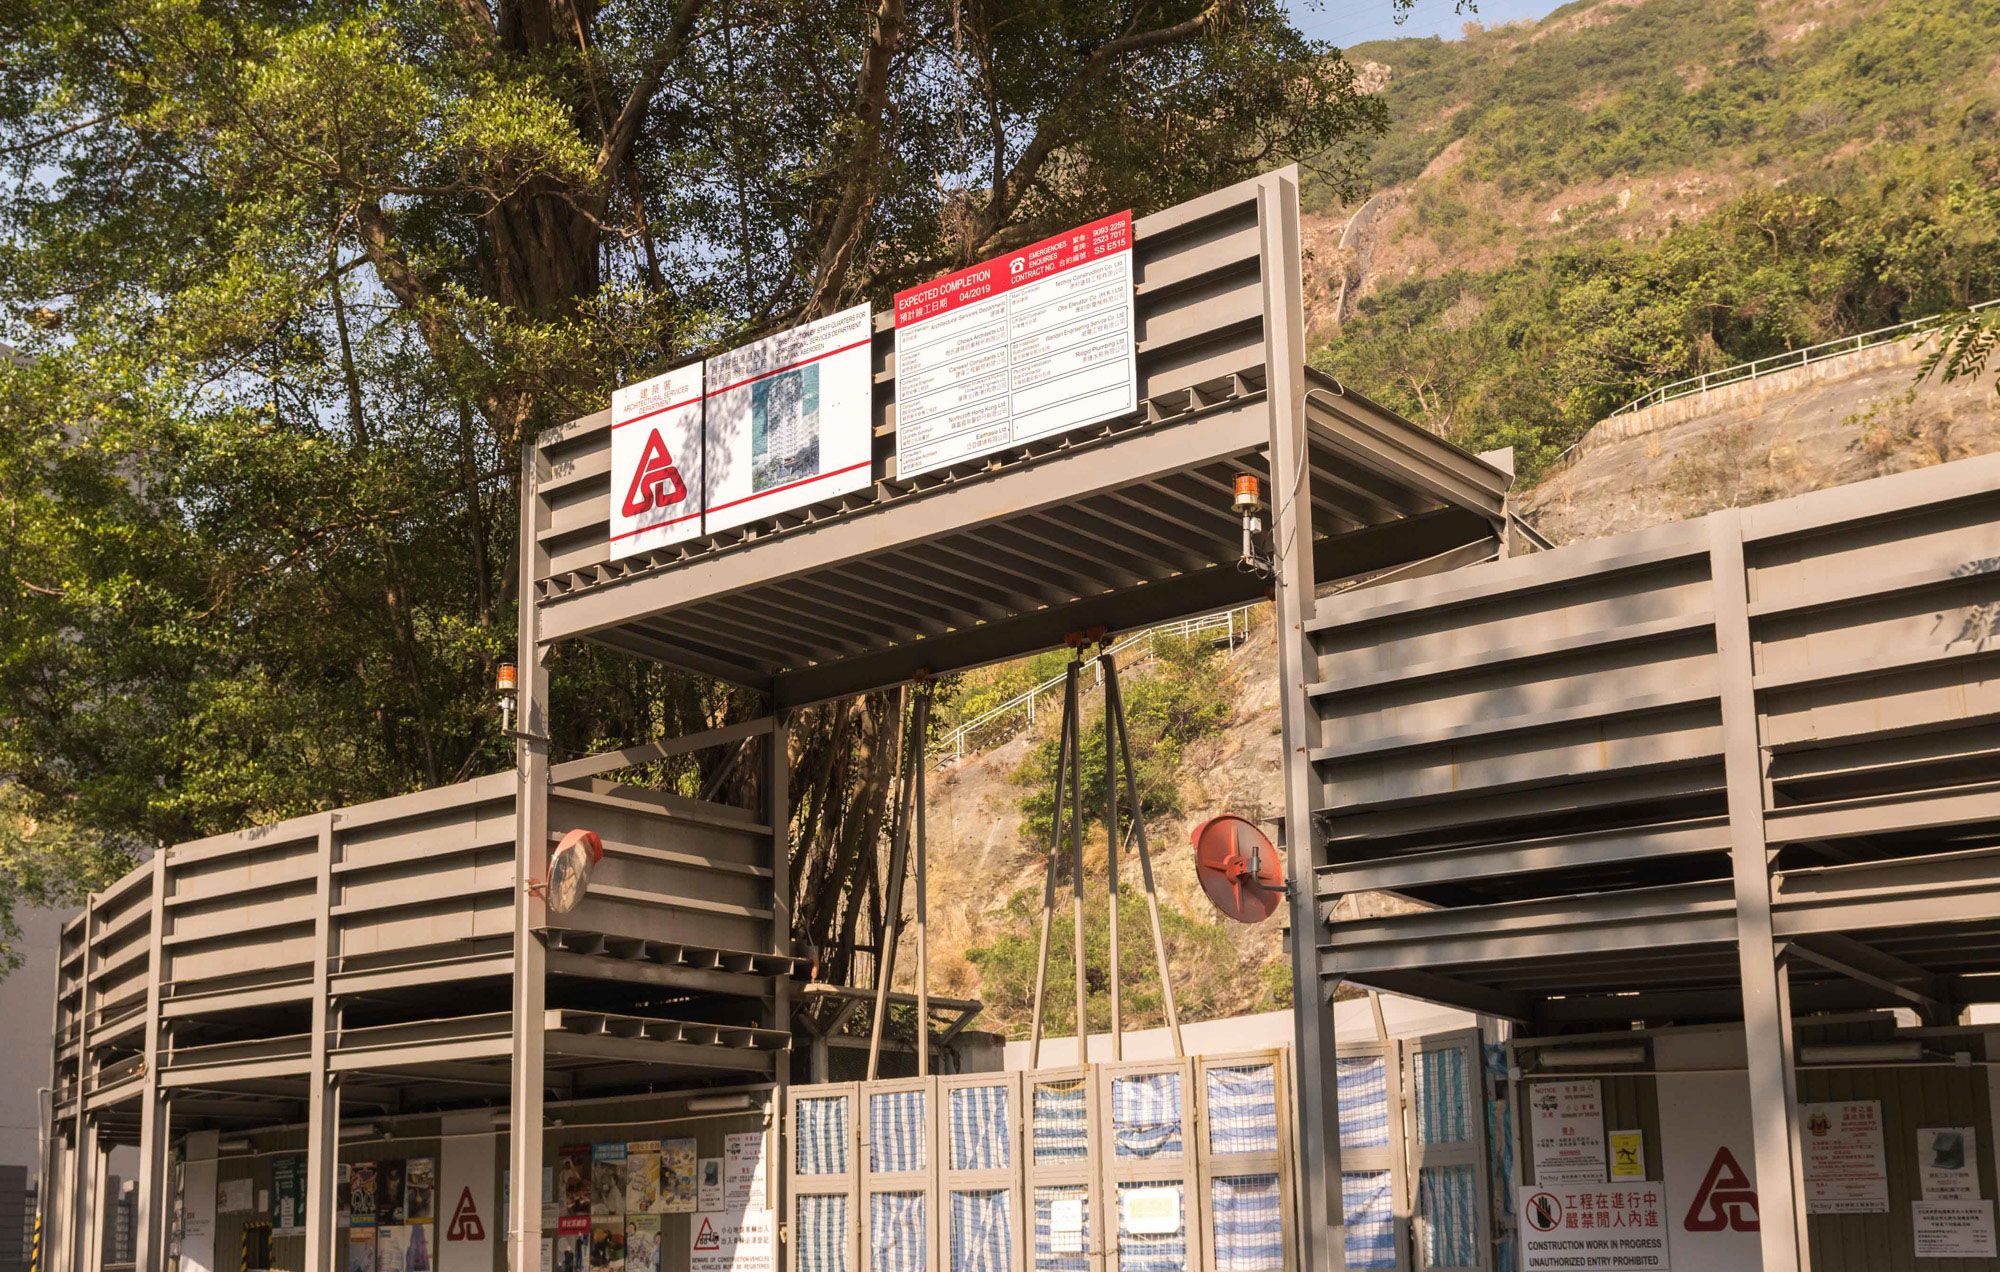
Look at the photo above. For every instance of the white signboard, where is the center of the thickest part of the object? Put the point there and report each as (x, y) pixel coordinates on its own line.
(1846, 1171)
(656, 462)
(789, 420)
(1565, 1228)
(743, 1171)
(1708, 1160)
(1954, 1229)
(235, 1196)
(1151, 1212)
(708, 1184)
(466, 1208)
(198, 1218)
(1948, 1163)
(1567, 1121)
(1023, 346)
(1066, 1225)
(730, 1241)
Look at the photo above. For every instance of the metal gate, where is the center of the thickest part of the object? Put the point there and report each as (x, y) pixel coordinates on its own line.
(1165, 1166)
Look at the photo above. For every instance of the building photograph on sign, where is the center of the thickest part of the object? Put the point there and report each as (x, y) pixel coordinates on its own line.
(1020, 347)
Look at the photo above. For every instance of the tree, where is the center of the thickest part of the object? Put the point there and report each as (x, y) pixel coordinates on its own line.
(293, 280)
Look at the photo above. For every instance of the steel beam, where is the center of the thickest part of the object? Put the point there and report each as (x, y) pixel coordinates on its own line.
(531, 851)
(1322, 1231)
(323, 1098)
(1864, 963)
(149, 1233)
(1766, 1015)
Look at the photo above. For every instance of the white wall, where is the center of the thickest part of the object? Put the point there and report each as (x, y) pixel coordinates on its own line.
(27, 1005)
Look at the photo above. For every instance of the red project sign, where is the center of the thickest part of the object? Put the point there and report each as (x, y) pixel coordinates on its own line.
(1080, 246)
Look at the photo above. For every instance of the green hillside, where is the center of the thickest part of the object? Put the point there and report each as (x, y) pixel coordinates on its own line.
(1627, 193)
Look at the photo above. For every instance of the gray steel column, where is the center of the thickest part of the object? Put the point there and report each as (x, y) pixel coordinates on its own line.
(531, 855)
(149, 1245)
(1767, 1030)
(323, 1099)
(1321, 1235)
(778, 812)
(98, 1161)
(83, 1133)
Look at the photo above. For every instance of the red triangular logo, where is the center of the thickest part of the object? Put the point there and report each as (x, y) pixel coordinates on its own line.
(1724, 1200)
(658, 482)
(707, 1239)
(465, 1225)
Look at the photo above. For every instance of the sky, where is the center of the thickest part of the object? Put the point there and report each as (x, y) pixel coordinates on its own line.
(1345, 22)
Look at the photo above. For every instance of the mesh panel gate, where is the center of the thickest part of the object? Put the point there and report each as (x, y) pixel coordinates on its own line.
(1168, 1166)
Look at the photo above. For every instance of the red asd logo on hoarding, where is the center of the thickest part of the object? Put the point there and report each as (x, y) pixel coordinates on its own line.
(657, 483)
(1725, 1200)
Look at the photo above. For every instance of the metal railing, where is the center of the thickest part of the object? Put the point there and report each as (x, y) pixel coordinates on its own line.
(950, 749)
(1785, 361)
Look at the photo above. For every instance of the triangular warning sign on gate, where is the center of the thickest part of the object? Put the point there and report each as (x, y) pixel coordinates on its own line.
(657, 483)
(465, 1225)
(707, 1238)
(1725, 1199)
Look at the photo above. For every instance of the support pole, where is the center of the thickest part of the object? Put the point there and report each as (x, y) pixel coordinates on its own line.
(323, 1099)
(1049, 879)
(1071, 709)
(149, 1209)
(1322, 1232)
(1767, 1025)
(1105, 673)
(892, 910)
(920, 731)
(1114, 717)
(778, 815)
(85, 1166)
(531, 856)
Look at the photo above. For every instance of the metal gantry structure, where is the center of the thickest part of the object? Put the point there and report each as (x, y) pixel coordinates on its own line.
(1736, 769)
(399, 957)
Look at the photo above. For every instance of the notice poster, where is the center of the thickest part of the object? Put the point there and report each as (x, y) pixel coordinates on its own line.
(288, 1195)
(642, 1177)
(198, 1215)
(1948, 1163)
(361, 1195)
(343, 1196)
(573, 1180)
(1846, 1171)
(656, 462)
(789, 420)
(1954, 1229)
(677, 1177)
(361, 1250)
(1628, 1155)
(1016, 348)
(642, 1243)
(732, 1241)
(420, 1190)
(607, 1180)
(1567, 1125)
(572, 1253)
(392, 1248)
(421, 1248)
(607, 1244)
(1066, 1234)
(235, 1197)
(391, 1194)
(743, 1171)
(708, 1185)
(1601, 1229)
(1150, 1212)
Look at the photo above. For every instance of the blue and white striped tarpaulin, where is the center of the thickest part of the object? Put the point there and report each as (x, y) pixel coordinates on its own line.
(1447, 1217)
(822, 1233)
(1243, 1109)
(1152, 1252)
(1047, 1257)
(1249, 1224)
(1362, 1084)
(979, 1128)
(896, 1130)
(1061, 1129)
(1443, 1097)
(822, 1132)
(896, 1232)
(1146, 1115)
(981, 1230)
(1369, 1206)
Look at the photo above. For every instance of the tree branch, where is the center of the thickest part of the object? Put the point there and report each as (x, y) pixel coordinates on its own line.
(843, 235)
(625, 129)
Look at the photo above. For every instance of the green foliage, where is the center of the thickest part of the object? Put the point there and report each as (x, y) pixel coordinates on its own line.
(1180, 698)
(46, 864)
(1533, 353)
(1212, 977)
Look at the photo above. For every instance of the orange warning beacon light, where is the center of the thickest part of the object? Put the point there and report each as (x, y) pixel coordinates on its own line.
(1239, 868)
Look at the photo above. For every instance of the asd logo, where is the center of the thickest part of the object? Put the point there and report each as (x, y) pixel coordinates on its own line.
(658, 482)
(1725, 1199)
